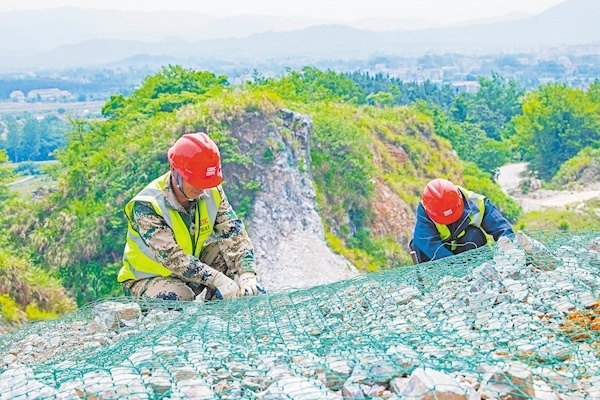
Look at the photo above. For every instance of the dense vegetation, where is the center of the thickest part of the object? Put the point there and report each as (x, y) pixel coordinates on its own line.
(367, 131)
(30, 139)
(28, 292)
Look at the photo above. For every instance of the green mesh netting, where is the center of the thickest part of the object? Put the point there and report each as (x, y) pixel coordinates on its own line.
(488, 324)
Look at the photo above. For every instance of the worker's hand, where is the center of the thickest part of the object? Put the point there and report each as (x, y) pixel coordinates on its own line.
(226, 287)
(249, 284)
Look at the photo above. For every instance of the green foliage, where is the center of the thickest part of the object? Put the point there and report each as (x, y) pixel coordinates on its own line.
(557, 122)
(27, 168)
(380, 99)
(469, 140)
(6, 176)
(403, 93)
(24, 284)
(563, 225)
(93, 281)
(494, 105)
(342, 162)
(166, 91)
(30, 139)
(244, 196)
(355, 255)
(10, 309)
(34, 313)
(113, 105)
(553, 219)
(311, 85)
(579, 170)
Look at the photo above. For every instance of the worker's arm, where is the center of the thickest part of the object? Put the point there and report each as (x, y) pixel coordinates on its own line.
(494, 223)
(427, 238)
(236, 247)
(233, 239)
(160, 239)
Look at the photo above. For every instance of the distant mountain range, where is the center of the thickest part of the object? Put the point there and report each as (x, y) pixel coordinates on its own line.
(75, 37)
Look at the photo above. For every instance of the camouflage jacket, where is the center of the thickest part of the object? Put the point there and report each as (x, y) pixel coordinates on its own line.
(228, 231)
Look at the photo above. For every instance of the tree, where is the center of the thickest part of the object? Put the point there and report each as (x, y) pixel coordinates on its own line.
(380, 99)
(53, 135)
(557, 122)
(312, 85)
(166, 91)
(6, 174)
(493, 106)
(14, 139)
(32, 138)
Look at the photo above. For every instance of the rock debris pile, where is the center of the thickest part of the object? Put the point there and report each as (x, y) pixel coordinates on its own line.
(488, 324)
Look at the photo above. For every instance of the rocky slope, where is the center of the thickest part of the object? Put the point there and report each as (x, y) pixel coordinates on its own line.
(508, 327)
(284, 223)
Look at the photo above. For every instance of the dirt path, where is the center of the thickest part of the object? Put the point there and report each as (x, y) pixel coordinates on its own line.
(509, 178)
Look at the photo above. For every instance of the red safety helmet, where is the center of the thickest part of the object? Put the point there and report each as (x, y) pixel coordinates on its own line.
(196, 158)
(443, 201)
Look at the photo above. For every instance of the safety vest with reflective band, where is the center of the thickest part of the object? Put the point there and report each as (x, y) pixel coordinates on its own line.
(474, 219)
(138, 260)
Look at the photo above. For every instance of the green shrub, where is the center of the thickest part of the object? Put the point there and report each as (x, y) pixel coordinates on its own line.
(10, 310)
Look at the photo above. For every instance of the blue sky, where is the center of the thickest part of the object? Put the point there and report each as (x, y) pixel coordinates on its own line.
(444, 11)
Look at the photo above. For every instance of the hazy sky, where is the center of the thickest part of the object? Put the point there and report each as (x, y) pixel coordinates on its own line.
(445, 11)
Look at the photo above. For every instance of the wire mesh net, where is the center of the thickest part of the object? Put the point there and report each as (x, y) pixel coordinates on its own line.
(513, 323)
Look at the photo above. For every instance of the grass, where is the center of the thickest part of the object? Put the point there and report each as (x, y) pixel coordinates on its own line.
(564, 219)
(24, 186)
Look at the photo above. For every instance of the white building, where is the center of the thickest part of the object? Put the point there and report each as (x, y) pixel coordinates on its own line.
(17, 96)
(465, 86)
(48, 95)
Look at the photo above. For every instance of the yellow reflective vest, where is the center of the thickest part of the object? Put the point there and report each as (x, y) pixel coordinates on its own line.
(474, 219)
(138, 260)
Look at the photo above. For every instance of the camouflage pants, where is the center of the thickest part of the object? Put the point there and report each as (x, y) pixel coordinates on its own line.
(171, 288)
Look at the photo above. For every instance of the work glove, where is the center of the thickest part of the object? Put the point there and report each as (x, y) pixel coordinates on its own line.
(225, 287)
(249, 285)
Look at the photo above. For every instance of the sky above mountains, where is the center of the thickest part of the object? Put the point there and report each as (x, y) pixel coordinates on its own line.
(442, 11)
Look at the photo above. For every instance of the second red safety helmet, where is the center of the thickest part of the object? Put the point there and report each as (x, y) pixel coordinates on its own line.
(443, 201)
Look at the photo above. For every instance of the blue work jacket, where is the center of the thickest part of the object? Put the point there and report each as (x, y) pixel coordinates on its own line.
(427, 238)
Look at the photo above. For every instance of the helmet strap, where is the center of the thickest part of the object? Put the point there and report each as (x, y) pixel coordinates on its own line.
(179, 183)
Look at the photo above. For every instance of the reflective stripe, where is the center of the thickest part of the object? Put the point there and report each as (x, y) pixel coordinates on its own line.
(139, 274)
(474, 219)
(140, 244)
(212, 207)
(151, 195)
(139, 261)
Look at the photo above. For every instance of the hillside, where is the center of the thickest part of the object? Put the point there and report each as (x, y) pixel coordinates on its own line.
(326, 171)
(27, 37)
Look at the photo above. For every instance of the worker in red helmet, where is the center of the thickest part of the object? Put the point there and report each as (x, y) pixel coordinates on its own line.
(184, 240)
(451, 220)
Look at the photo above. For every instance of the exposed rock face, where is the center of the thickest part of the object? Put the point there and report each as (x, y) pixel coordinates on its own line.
(284, 224)
(393, 217)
